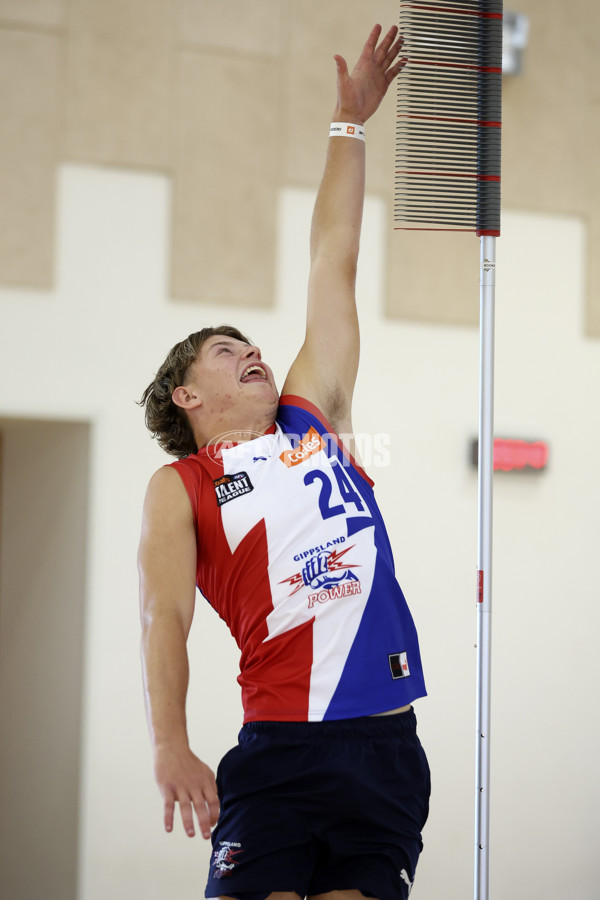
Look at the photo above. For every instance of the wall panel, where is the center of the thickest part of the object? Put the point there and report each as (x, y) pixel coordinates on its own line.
(256, 27)
(30, 104)
(119, 82)
(44, 13)
(226, 177)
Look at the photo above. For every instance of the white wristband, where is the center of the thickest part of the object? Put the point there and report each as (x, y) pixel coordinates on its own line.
(346, 129)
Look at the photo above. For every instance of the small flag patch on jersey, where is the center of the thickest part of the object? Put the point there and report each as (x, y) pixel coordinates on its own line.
(229, 487)
(399, 665)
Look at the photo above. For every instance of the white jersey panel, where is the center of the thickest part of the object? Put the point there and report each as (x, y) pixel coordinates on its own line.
(316, 572)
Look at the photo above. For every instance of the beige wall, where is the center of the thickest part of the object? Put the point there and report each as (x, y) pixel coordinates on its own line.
(229, 99)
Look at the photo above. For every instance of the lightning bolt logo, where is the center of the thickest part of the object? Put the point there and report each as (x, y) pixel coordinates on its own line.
(334, 564)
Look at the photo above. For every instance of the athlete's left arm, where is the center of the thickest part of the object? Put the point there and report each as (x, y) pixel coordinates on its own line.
(325, 369)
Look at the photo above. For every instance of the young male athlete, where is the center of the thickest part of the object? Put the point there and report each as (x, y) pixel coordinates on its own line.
(267, 511)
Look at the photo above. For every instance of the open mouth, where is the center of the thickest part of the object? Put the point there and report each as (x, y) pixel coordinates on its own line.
(253, 373)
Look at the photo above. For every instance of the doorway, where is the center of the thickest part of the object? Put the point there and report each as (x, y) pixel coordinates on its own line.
(44, 490)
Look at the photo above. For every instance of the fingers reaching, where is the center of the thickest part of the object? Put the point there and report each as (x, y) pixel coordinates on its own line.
(371, 42)
(394, 69)
(387, 43)
(342, 66)
(387, 53)
(361, 92)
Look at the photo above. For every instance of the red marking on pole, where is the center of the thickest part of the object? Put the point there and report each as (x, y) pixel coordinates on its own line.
(480, 586)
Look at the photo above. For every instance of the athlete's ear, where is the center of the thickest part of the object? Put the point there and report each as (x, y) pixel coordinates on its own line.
(186, 397)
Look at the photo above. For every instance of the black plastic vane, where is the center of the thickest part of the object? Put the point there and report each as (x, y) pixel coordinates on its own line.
(449, 116)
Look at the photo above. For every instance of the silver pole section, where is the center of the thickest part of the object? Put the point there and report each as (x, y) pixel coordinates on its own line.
(484, 563)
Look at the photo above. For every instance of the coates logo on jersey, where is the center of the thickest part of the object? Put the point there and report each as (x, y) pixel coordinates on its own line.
(311, 443)
(329, 576)
(224, 859)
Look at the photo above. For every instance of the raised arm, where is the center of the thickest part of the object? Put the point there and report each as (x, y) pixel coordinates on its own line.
(325, 369)
(167, 567)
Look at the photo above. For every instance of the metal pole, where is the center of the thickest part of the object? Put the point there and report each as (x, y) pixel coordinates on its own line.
(484, 563)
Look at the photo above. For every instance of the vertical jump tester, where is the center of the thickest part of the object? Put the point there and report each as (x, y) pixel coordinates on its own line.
(448, 179)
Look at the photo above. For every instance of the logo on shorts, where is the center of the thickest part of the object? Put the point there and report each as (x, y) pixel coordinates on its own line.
(224, 859)
(399, 665)
(406, 879)
(230, 487)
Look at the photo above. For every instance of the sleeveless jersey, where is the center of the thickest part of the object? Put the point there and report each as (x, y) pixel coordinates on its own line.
(293, 554)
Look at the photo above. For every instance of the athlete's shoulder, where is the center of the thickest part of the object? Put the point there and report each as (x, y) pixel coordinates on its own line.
(165, 480)
(187, 478)
(296, 411)
(166, 497)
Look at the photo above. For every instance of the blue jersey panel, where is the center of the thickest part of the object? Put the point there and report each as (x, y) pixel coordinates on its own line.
(383, 668)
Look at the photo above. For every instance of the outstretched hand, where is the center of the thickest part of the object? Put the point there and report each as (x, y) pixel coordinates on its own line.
(361, 91)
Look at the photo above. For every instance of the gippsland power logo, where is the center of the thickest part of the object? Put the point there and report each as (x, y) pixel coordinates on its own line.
(328, 574)
(225, 858)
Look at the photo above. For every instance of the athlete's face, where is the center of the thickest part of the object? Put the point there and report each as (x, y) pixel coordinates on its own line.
(231, 378)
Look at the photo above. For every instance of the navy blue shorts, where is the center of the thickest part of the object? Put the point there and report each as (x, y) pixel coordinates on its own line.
(313, 807)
